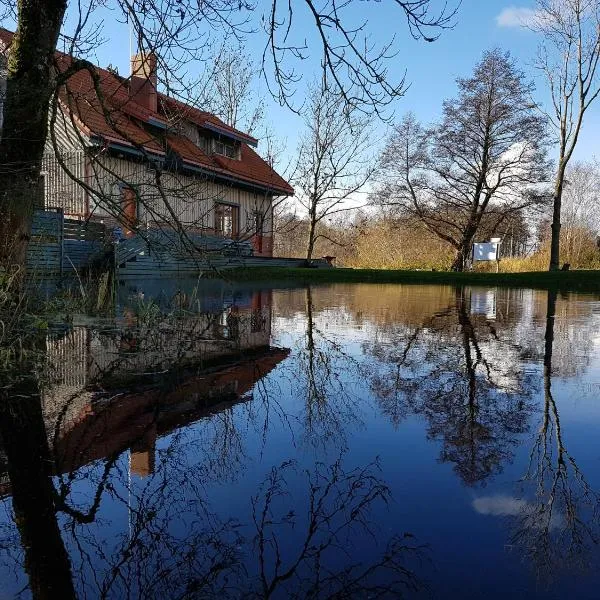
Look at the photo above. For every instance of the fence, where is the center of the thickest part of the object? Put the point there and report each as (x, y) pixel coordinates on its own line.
(58, 244)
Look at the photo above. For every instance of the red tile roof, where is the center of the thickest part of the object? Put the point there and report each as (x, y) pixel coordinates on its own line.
(200, 117)
(112, 115)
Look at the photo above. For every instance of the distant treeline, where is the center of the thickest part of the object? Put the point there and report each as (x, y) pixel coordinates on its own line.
(380, 240)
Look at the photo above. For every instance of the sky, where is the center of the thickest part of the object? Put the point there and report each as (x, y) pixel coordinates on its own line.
(431, 68)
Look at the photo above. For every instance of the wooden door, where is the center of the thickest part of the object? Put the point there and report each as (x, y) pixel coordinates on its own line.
(256, 225)
(128, 210)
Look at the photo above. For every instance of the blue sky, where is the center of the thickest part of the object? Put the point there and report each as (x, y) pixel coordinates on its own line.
(431, 67)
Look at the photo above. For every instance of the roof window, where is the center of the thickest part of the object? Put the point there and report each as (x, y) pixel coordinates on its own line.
(227, 149)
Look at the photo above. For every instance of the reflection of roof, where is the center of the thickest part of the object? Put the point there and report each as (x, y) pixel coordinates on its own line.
(119, 121)
(106, 429)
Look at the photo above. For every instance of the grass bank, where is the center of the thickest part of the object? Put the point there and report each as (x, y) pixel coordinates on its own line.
(584, 281)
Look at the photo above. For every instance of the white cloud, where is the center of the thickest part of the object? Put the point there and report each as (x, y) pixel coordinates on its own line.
(515, 16)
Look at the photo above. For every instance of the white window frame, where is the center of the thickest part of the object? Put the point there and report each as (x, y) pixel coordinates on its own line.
(224, 146)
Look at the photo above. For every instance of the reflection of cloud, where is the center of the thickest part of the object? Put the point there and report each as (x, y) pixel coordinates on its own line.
(514, 16)
(499, 506)
(509, 506)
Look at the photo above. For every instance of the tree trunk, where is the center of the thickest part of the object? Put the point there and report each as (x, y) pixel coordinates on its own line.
(311, 239)
(463, 252)
(459, 261)
(462, 255)
(18, 195)
(29, 89)
(556, 208)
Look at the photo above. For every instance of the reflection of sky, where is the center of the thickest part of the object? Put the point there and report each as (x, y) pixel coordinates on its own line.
(224, 457)
(426, 491)
(508, 506)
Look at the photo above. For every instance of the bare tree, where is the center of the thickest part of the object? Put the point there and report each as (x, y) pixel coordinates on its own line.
(232, 93)
(177, 33)
(481, 159)
(333, 161)
(568, 57)
(581, 221)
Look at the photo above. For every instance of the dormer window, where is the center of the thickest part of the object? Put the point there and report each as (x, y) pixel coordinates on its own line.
(225, 148)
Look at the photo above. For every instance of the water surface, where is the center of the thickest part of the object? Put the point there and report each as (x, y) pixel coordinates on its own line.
(347, 441)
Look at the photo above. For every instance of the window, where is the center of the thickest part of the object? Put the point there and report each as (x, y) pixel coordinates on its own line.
(225, 149)
(255, 220)
(227, 220)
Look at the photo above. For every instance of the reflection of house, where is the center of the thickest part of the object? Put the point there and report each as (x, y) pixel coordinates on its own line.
(147, 159)
(105, 426)
(143, 343)
(136, 420)
(142, 349)
(211, 364)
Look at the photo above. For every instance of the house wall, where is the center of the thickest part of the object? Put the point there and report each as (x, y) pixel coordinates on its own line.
(60, 176)
(187, 198)
(161, 201)
(60, 190)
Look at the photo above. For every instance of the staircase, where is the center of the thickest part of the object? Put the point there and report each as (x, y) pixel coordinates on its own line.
(158, 254)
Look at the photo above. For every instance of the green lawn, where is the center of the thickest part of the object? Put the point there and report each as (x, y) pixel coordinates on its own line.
(586, 281)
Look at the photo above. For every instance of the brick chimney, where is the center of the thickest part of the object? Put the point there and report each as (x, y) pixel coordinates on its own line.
(144, 80)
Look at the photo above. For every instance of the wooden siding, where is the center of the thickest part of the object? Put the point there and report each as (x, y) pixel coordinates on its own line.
(164, 200)
(60, 190)
(68, 137)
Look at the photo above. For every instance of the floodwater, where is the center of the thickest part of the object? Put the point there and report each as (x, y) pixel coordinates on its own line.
(344, 441)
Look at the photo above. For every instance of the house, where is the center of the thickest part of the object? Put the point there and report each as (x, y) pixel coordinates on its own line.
(121, 152)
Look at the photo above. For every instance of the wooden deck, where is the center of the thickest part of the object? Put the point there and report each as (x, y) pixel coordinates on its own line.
(61, 247)
(155, 255)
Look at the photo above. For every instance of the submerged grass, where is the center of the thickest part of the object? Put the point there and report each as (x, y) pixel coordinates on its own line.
(584, 281)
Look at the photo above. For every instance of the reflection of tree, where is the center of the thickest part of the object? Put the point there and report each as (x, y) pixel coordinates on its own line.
(323, 375)
(72, 435)
(175, 545)
(23, 439)
(26, 447)
(457, 372)
(338, 512)
(559, 527)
